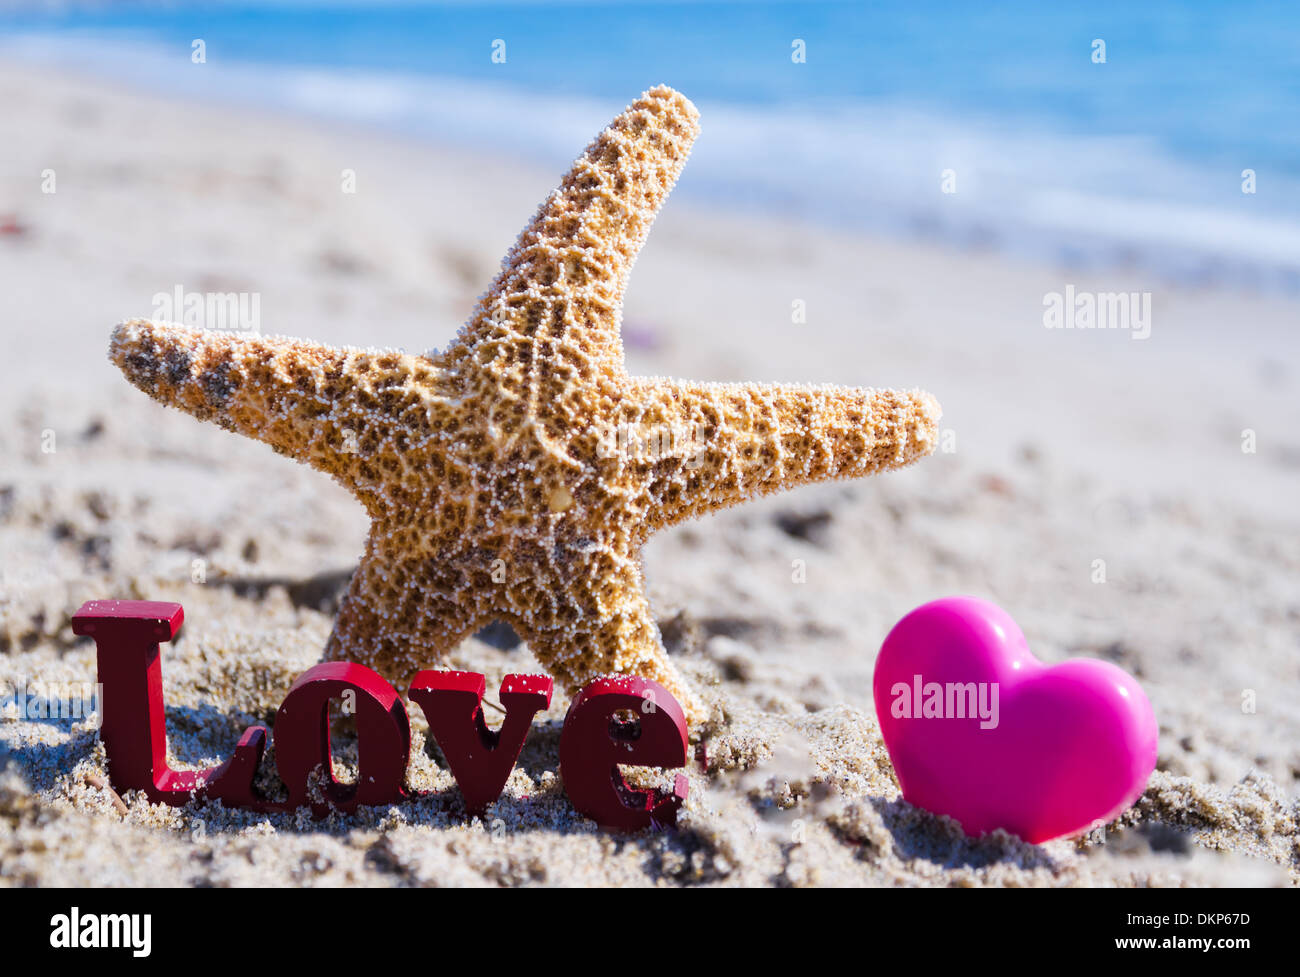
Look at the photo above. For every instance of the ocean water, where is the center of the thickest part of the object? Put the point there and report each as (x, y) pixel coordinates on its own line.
(979, 126)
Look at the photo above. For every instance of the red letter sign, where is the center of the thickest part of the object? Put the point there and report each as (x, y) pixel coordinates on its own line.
(480, 759)
(595, 741)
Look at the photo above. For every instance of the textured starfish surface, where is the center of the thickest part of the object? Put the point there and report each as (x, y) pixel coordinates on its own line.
(516, 475)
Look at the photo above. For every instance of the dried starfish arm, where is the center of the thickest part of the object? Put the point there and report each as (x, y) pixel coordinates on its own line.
(561, 284)
(325, 406)
(400, 613)
(728, 442)
(613, 633)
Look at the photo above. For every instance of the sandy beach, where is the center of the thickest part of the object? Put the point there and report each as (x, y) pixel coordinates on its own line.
(1059, 448)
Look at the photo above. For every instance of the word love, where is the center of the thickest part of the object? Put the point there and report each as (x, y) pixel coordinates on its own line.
(597, 734)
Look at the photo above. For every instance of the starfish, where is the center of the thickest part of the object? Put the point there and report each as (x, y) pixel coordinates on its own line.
(516, 475)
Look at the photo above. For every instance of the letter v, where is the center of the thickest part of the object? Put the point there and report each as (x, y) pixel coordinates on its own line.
(480, 759)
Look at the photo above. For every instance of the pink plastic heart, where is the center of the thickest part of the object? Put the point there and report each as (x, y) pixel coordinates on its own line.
(1048, 751)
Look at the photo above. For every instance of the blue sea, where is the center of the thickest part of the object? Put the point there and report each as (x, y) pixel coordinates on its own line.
(1137, 161)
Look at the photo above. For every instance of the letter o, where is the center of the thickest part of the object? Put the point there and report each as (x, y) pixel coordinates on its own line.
(302, 738)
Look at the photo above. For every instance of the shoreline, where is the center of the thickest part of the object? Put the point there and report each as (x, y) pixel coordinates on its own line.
(1191, 241)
